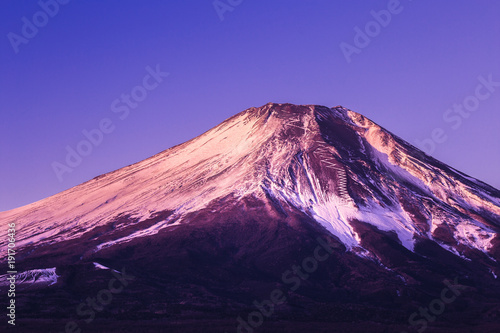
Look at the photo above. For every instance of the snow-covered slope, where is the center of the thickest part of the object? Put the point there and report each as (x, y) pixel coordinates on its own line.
(333, 164)
(46, 276)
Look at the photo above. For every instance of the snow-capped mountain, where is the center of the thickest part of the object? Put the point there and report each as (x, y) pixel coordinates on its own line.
(241, 202)
(333, 165)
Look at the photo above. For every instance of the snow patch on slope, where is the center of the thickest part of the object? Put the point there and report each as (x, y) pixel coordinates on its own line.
(32, 277)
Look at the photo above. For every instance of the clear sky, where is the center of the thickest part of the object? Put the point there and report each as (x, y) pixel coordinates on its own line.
(86, 65)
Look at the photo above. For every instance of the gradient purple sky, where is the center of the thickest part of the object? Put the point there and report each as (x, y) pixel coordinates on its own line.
(64, 79)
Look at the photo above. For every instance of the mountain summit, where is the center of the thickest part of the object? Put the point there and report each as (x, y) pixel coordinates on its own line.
(333, 165)
(200, 223)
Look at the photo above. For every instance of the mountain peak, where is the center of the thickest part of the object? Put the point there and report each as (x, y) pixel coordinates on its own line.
(293, 121)
(229, 211)
(331, 164)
